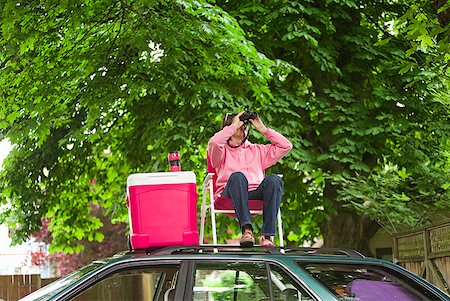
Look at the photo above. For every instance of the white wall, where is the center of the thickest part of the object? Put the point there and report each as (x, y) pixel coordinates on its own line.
(14, 260)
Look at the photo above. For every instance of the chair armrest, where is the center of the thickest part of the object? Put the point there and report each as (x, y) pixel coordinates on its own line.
(207, 180)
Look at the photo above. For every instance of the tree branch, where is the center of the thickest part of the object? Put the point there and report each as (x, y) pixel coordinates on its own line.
(111, 7)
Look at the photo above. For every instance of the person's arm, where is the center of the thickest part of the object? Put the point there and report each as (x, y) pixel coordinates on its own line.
(217, 142)
(279, 147)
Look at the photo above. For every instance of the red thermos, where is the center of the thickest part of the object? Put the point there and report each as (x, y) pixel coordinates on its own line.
(174, 161)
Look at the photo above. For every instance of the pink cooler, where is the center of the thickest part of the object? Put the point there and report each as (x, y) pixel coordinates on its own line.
(162, 209)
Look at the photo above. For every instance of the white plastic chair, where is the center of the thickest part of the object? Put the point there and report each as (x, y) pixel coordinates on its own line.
(225, 206)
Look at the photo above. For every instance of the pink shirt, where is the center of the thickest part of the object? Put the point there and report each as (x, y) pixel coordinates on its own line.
(250, 159)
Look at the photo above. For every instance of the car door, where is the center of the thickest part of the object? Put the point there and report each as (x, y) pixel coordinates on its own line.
(134, 281)
(371, 281)
(244, 280)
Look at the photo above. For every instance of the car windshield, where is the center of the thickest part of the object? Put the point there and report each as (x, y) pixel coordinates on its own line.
(367, 282)
(59, 285)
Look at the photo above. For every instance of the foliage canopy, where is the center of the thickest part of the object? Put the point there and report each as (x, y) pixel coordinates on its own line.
(93, 90)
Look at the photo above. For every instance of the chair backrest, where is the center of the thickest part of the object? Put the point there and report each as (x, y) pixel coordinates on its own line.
(223, 203)
(211, 169)
(208, 164)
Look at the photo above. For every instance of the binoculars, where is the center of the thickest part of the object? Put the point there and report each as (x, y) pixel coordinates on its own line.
(248, 115)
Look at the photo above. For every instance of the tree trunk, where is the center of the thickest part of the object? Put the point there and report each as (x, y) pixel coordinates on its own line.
(347, 229)
(444, 16)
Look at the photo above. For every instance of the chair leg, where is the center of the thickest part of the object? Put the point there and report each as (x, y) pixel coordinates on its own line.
(213, 222)
(202, 218)
(280, 229)
(212, 209)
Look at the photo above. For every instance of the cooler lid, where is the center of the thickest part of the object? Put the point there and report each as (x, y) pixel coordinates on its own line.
(161, 178)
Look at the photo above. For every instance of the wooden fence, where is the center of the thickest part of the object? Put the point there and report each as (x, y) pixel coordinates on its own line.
(14, 287)
(426, 252)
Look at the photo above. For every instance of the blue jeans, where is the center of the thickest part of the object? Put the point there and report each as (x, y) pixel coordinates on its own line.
(270, 191)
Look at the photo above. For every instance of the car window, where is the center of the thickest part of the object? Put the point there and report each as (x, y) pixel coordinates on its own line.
(285, 288)
(366, 282)
(57, 286)
(243, 281)
(149, 283)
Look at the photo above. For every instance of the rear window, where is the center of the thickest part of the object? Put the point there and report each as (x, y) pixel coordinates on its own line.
(59, 285)
(367, 282)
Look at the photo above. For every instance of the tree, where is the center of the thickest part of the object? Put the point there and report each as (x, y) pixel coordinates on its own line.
(105, 80)
(101, 89)
(373, 128)
(61, 262)
(113, 241)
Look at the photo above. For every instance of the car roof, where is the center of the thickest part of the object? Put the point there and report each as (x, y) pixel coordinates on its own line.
(288, 257)
(235, 251)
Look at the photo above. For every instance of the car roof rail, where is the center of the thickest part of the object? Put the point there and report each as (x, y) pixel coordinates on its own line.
(236, 249)
(224, 248)
(324, 251)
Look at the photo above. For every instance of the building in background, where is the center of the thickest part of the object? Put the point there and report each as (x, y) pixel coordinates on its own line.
(21, 260)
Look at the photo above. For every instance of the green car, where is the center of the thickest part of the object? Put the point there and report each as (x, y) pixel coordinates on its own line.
(231, 273)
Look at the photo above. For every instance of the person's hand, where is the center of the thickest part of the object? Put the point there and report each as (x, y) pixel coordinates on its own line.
(237, 122)
(258, 124)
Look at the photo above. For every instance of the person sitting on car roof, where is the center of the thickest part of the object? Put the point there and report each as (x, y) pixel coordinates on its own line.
(240, 167)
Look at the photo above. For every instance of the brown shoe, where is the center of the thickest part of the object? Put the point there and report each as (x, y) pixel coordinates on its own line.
(266, 242)
(247, 240)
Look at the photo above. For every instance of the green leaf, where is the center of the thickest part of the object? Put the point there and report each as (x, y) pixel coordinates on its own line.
(425, 41)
